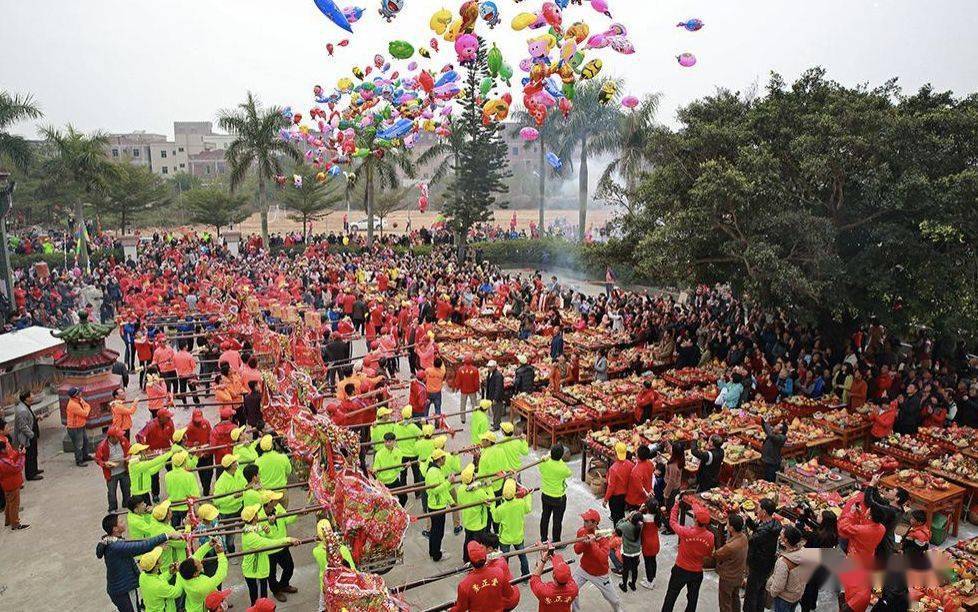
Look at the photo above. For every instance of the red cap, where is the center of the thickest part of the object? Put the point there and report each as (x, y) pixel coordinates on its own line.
(198, 416)
(702, 515)
(562, 573)
(591, 515)
(263, 605)
(477, 552)
(215, 599)
(115, 432)
(227, 413)
(163, 413)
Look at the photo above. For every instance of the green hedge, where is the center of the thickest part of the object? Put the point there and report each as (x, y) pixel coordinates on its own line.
(590, 259)
(56, 260)
(296, 250)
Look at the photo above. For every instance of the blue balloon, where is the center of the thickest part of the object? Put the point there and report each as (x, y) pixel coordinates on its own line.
(448, 77)
(552, 88)
(329, 8)
(692, 25)
(334, 170)
(400, 128)
(562, 3)
(554, 161)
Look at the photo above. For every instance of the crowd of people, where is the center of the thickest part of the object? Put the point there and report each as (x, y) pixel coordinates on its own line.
(171, 302)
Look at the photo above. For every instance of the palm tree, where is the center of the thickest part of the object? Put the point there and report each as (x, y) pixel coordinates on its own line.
(629, 148)
(379, 167)
(590, 128)
(257, 147)
(80, 168)
(13, 109)
(313, 200)
(443, 157)
(549, 133)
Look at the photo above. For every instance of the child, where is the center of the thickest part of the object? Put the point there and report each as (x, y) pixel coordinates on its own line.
(659, 484)
(651, 521)
(630, 528)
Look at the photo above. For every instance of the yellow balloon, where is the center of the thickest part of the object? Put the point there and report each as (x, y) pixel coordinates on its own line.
(440, 20)
(344, 84)
(568, 50)
(453, 31)
(523, 20)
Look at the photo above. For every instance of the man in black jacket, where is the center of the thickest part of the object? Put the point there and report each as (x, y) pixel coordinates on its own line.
(494, 393)
(910, 414)
(524, 379)
(334, 351)
(121, 573)
(774, 441)
(762, 552)
(710, 463)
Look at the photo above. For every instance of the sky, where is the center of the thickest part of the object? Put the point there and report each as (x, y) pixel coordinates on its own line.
(125, 65)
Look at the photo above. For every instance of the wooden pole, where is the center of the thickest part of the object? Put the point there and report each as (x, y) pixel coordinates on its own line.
(234, 521)
(269, 548)
(464, 506)
(418, 418)
(436, 432)
(464, 449)
(294, 485)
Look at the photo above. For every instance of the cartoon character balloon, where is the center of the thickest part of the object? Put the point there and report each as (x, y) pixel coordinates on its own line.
(529, 134)
(329, 8)
(686, 60)
(691, 25)
(390, 8)
(489, 13)
(466, 48)
(629, 101)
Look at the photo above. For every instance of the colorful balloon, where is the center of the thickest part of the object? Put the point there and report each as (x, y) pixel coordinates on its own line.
(401, 49)
(390, 8)
(440, 20)
(629, 101)
(591, 69)
(686, 60)
(692, 25)
(523, 21)
(601, 6)
(329, 8)
(489, 14)
(554, 161)
(466, 48)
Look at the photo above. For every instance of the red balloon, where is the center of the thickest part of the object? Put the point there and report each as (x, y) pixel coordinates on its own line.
(426, 81)
(551, 14)
(423, 203)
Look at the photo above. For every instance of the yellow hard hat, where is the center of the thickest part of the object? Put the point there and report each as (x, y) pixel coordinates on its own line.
(148, 561)
(270, 496)
(180, 458)
(507, 427)
(406, 412)
(266, 442)
(249, 513)
(468, 473)
(137, 448)
(323, 527)
(428, 430)
(236, 433)
(485, 404)
(438, 454)
(178, 434)
(440, 441)
(488, 436)
(160, 510)
(207, 512)
(228, 459)
(509, 489)
(621, 450)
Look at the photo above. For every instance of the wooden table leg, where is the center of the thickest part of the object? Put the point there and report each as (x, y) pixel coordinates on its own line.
(583, 461)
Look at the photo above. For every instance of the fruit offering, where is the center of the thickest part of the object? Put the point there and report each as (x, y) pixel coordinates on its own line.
(863, 462)
(840, 419)
(909, 445)
(951, 438)
(921, 480)
(813, 471)
(958, 465)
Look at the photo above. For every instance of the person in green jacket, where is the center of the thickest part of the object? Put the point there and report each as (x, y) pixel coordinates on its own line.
(439, 497)
(255, 567)
(141, 470)
(383, 425)
(176, 447)
(453, 467)
(408, 432)
(474, 519)
(160, 523)
(180, 484)
(281, 558)
(275, 467)
(244, 449)
(480, 421)
(138, 518)
(330, 551)
(553, 492)
(156, 586)
(252, 493)
(230, 486)
(511, 516)
(515, 448)
(386, 458)
(492, 461)
(194, 582)
(425, 445)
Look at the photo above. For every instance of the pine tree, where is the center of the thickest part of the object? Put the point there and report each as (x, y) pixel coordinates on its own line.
(483, 164)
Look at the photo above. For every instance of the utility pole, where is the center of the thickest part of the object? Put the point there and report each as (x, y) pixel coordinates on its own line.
(6, 203)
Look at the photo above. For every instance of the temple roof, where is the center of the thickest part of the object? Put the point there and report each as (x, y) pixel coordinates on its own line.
(84, 331)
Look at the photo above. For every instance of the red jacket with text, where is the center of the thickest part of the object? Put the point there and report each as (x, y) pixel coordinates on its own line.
(484, 590)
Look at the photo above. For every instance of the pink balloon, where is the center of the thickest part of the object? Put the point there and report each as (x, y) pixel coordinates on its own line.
(629, 101)
(686, 60)
(529, 134)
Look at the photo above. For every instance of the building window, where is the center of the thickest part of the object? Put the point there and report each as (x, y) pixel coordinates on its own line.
(173, 152)
(135, 152)
(516, 151)
(115, 152)
(163, 154)
(183, 165)
(180, 149)
(207, 169)
(165, 170)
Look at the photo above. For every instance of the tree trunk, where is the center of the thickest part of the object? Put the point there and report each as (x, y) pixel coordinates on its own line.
(370, 206)
(543, 182)
(303, 227)
(82, 234)
(460, 243)
(263, 208)
(582, 191)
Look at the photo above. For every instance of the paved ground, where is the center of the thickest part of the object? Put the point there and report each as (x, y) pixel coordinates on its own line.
(52, 565)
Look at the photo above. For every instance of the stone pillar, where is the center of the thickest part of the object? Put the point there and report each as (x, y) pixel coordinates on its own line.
(129, 246)
(233, 240)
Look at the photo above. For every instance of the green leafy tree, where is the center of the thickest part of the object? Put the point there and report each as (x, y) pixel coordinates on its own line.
(549, 133)
(628, 145)
(14, 109)
(256, 149)
(390, 201)
(79, 169)
(483, 163)
(382, 167)
(313, 200)
(591, 128)
(134, 192)
(213, 207)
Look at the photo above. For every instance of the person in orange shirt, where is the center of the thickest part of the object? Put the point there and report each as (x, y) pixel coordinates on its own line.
(434, 381)
(186, 367)
(156, 392)
(249, 372)
(77, 411)
(122, 412)
(163, 359)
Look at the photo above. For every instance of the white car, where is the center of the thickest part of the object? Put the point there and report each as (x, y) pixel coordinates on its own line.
(360, 225)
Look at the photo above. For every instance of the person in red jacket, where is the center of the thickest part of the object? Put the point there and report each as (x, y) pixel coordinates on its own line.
(645, 402)
(883, 421)
(199, 434)
(695, 545)
(864, 533)
(593, 568)
(618, 474)
(484, 589)
(651, 521)
(111, 454)
(640, 479)
(418, 396)
(556, 596)
(467, 382)
(11, 480)
(158, 435)
(221, 437)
